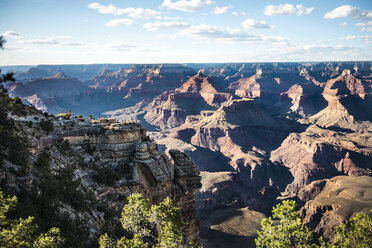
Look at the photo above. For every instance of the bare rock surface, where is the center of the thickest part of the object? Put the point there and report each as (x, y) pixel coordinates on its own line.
(330, 202)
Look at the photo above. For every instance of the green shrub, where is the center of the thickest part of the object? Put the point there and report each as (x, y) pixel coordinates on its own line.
(149, 225)
(357, 232)
(24, 232)
(64, 146)
(18, 152)
(67, 116)
(46, 125)
(291, 232)
(17, 100)
(43, 160)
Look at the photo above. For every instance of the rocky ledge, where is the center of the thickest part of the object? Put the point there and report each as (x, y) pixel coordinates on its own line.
(109, 160)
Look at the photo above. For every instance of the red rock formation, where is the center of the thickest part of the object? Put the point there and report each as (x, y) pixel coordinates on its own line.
(320, 153)
(170, 109)
(348, 100)
(142, 81)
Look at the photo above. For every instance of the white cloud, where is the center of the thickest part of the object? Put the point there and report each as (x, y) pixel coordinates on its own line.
(344, 24)
(119, 22)
(367, 29)
(366, 38)
(73, 44)
(53, 40)
(319, 47)
(252, 23)
(220, 10)
(287, 9)
(238, 14)
(48, 41)
(168, 18)
(135, 13)
(60, 37)
(153, 26)
(295, 53)
(348, 11)
(120, 46)
(349, 37)
(225, 35)
(365, 26)
(12, 34)
(186, 5)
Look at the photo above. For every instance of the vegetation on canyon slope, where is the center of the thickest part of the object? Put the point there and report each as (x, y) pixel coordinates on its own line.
(161, 226)
(286, 230)
(145, 225)
(24, 232)
(148, 225)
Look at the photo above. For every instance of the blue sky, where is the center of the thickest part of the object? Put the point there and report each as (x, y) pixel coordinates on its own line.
(180, 31)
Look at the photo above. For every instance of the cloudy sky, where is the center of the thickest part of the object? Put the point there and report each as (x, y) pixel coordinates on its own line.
(159, 31)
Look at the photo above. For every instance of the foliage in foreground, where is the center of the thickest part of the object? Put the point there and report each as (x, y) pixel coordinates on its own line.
(23, 232)
(291, 232)
(148, 225)
(355, 233)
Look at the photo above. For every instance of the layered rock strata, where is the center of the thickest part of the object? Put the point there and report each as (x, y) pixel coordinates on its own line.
(330, 202)
(110, 160)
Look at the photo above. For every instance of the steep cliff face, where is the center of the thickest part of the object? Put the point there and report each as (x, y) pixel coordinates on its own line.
(60, 93)
(104, 162)
(233, 128)
(328, 203)
(349, 99)
(198, 93)
(142, 81)
(321, 153)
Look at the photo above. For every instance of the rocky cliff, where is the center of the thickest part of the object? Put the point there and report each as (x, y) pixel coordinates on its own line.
(171, 108)
(83, 171)
(349, 99)
(142, 81)
(329, 202)
(319, 153)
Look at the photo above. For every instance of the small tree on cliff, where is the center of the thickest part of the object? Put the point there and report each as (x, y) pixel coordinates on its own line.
(23, 232)
(289, 232)
(158, 226)
(356, 233)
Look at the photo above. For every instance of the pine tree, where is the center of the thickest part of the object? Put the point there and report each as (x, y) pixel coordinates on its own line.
(289, 232)
(23, 232)
(158, 226)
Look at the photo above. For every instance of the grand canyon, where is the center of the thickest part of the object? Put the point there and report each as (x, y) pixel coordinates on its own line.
(185, 124)
(259, 133)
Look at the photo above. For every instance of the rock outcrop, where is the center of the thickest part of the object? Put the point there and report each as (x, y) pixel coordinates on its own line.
(60, 93)
(330, 202)
(321, 153)
(142, 81)
(349, 99)
(108, 159)
(231, 128)
(198, 93)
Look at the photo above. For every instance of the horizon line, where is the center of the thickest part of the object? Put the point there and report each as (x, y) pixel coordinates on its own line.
(180, 63)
